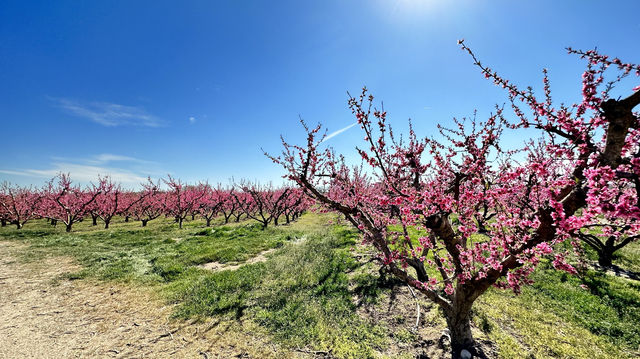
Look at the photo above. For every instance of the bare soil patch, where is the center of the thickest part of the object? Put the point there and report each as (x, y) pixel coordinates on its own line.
(260, 257)
(218, 266)
(45, 316)
(429, 335)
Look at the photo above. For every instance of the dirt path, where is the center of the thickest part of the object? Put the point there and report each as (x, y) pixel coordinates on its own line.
(43, 316)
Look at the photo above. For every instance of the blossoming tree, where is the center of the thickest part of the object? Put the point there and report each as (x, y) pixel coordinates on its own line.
(149, 203)
(113, 200)
(485, 215)
(18, 205)
(229, 205)
(211, 203)
(262, 203)
(181, 199)
(296, 204)
(62, 201)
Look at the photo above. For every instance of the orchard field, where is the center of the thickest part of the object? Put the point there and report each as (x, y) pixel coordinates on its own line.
(312, 293)
(448, 246)
(502, 222)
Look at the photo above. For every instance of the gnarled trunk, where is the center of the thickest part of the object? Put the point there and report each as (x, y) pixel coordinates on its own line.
(605, 252)
(459, 323)
(605, 257)
(144, 222)
(458, 317)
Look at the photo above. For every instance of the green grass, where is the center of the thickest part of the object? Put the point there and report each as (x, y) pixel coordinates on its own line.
(155, 253)
(557, 318)
(302, 296)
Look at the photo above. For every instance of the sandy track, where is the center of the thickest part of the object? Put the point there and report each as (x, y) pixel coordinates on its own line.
(42, 316)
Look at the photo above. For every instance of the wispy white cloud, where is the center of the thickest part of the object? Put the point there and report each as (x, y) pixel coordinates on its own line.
(101, 159)
(192, 120)
(81, 173)
(109, 114)
(10, 172)
(335, 133)
(108, 157)
(105, 158)
(85, 170)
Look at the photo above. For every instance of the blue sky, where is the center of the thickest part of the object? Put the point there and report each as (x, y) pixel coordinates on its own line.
(196, 88)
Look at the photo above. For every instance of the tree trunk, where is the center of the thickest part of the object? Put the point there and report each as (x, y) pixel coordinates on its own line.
(180, 222)
(605, 257)
(459, 323)
(193, 217)
(19, 225)
(275, 221)
(3, 223)
(126, 219)
(106, 224)
(144, 222)
(54, 222)
(68, 229)
(208, 222)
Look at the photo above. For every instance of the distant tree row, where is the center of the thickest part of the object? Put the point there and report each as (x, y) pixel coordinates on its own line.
(62, 201)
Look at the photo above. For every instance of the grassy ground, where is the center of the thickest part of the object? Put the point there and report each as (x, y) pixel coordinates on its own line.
(311, 294)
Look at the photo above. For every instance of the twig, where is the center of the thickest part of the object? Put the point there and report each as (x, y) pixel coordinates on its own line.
(170, 333)
(314, 352)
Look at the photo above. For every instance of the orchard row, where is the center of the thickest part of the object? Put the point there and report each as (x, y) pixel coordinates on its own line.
(62, 201)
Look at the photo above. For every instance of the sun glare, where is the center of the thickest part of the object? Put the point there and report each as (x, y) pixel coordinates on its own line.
(403, 10)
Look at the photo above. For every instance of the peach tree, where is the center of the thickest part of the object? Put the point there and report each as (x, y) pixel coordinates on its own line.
(486, 215)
